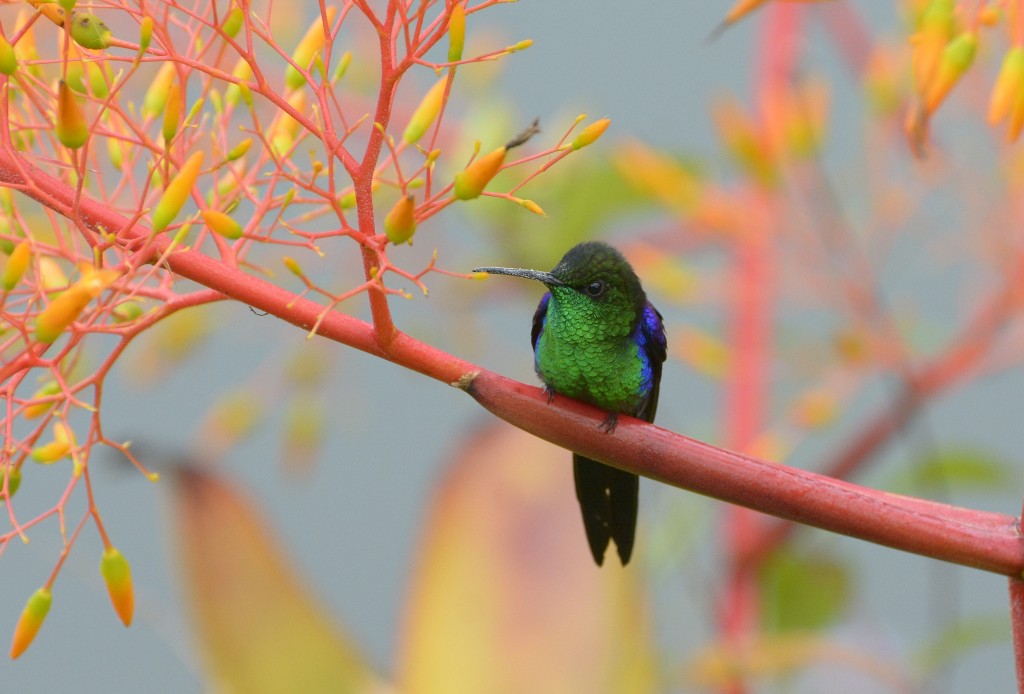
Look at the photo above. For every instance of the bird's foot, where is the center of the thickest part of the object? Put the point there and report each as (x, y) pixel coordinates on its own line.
(550, 392)
(610, 422)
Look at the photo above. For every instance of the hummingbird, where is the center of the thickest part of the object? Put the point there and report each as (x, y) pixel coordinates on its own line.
(596, 338)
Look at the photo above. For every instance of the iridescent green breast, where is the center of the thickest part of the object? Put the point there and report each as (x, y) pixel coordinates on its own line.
(584, 357)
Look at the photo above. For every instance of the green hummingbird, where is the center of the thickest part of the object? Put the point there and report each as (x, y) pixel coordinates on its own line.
(597, 338)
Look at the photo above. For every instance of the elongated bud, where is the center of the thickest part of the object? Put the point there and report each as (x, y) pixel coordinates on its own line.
(456, 32)
(342, 66)
(127, 311)
(89, 32)
(591, 133)
(145, 34)
(36, 609)
(155, 100)
(293, 266)
(471, 181)
(930, 41)
(222, 224)
(400, 222)
(239, 150)
(118, 577)
(426, 113)
(72, 130)
(242, 71)
(285, 128)
(17, 263)
(310, 45)
(519, 46)
(63, 310)
(956, 59)
(38, 409)
(13, 480)
(51, 452)
(8, 59)
(177, 193)
(233, 22)
(172, 113)
(1009, 87)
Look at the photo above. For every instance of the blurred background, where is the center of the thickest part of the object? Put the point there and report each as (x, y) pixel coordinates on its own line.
(404, 510)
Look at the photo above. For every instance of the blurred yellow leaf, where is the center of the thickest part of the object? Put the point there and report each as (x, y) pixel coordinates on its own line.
(258, 626)
(505, 597)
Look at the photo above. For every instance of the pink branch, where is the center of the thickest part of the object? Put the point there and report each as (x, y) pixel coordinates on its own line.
(984, 540)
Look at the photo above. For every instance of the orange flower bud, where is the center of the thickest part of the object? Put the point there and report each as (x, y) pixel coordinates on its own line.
(61, 313)
(172, 112)
(118, 577)
(456, 32)
(471, 181)
(930, 41)
(591, 133)
(400, 222)
(31, 619)
(177, 192)
(17, 263)
(309, 47)
(222, 224)
(426, 113)
(1009, 87)
(956, 59)
(72, 129)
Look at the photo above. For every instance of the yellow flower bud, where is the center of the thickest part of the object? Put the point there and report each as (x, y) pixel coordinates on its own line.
(471, 181)
(309, 47)
(17, 263)
(8, 59)
(285, 128)
(145, 33)
(293, 266)
(127, 311)
(591, 133)
(117, 574)
(239, 150)
(233, 22)
(13, 480)
(51, 452)
(222, 224)
(155, 100)
(930, 41)
(38, 409)
(426, 113)
(956, 59)
(177, 193)
(172, 113)
(61, 312)
(456, 32)
(1009, 87)
(242, 71)
(342, 66)
(400, 222)
(31, 619)
(72, 129)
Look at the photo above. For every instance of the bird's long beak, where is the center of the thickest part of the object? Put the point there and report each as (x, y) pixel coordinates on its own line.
(545, 277)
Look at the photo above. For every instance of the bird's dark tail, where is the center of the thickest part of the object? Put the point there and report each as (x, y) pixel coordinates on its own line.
(608, 500)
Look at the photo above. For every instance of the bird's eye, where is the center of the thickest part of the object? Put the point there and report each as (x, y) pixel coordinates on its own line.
(596, 289)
